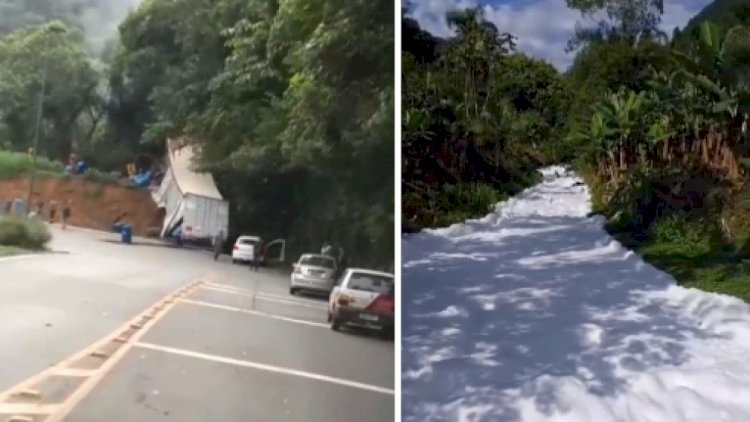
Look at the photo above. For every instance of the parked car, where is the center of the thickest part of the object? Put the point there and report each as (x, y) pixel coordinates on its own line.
(313, 273)
(244, 248)
(363, 298)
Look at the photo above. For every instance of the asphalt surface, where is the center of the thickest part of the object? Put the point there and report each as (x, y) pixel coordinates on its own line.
(240, 348)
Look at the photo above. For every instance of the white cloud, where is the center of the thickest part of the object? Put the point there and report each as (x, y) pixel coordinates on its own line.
(543, 27)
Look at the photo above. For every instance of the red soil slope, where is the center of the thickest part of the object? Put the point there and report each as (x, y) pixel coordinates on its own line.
(93, 206)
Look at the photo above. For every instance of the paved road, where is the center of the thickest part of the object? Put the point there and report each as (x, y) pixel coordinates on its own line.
(238, 348)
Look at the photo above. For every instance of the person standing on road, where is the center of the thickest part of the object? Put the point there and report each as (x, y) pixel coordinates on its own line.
(218, 244)
(341, 259)
(327, 249)
(66, 213)
(52, 211)
(256, 257)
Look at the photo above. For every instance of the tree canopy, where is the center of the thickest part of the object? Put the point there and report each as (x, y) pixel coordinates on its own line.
(289, 104)
(71, 100)
(617, 20)
(476, 113)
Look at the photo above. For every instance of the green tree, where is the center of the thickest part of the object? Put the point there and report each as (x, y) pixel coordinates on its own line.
(71, 96)
(294, 97)
(626, 20)
(477, 119)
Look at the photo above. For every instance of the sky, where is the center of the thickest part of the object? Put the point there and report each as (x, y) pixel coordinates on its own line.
(543, 27)
(101, 22)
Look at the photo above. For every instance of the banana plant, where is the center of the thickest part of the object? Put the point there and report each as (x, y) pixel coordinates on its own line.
(720, 67)
(622, 112)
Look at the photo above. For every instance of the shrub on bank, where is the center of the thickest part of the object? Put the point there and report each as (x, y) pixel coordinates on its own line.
(13, 164)
(24, 233)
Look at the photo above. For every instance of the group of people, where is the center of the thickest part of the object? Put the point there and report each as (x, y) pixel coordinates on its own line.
(19, 207)
(67, 211)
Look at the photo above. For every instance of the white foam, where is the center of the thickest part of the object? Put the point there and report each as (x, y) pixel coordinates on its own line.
(559, 322)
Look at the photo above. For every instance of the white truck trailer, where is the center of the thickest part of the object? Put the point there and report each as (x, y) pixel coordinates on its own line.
(193, 207)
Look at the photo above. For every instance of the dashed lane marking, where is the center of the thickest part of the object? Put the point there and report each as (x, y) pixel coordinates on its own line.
(36, 404)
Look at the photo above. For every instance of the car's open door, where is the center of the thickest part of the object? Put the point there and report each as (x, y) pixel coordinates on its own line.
(276, 251)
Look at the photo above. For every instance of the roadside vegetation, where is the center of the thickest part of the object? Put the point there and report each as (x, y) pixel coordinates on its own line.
(15, 164)
(22, 234)
(475, 113)
(290, 105)
(657, 125)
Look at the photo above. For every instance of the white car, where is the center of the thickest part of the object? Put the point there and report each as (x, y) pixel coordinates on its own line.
(244, 248)
(313, 273)
(364, 298)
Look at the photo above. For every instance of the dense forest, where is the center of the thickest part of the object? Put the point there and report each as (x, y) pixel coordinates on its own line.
(291, 104)
(474, 113)
(657, 125)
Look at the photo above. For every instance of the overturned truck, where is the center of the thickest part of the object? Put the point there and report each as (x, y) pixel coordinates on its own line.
(193, 209)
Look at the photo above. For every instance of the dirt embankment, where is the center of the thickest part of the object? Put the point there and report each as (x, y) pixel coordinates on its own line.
(94, 205)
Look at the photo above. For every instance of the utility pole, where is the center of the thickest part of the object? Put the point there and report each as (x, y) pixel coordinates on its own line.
(39, 114)
(35, 150)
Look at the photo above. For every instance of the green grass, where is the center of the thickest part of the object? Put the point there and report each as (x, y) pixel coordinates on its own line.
(9, 250)
(712, 270)
(13, 164)
(448, 204)
(693, 256)
(451, 203)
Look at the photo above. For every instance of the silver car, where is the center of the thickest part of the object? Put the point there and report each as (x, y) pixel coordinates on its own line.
(313, 273)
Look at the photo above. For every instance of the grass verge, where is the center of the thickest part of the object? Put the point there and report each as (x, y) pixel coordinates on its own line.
(13, 164)
(431, 206)
(693, 254)
(9, 251)
(712, 270)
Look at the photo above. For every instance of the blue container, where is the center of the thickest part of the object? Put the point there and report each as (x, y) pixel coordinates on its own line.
(127, 234)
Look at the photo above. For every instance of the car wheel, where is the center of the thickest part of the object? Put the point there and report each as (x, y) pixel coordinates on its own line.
(335, 323)
(292, 291)
(329, 317)
(387, 333)
(234, 261)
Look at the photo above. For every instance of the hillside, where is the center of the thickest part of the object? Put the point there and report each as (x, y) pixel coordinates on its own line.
(95, 205)
(725, 13)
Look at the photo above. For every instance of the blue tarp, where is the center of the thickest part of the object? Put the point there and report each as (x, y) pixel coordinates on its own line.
(81, 167)
(141, 180)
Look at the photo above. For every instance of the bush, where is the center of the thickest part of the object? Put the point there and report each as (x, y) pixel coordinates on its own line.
(474, 198)
(24, 233)
(679, 230)
(13, 164)
(94, 175)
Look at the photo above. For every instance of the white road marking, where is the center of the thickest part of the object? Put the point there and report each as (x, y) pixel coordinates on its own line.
(18, 257)
(28, 408)
(249, 291)
(268, 297)
(264, 367)
(73, 372)
(251, 312)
